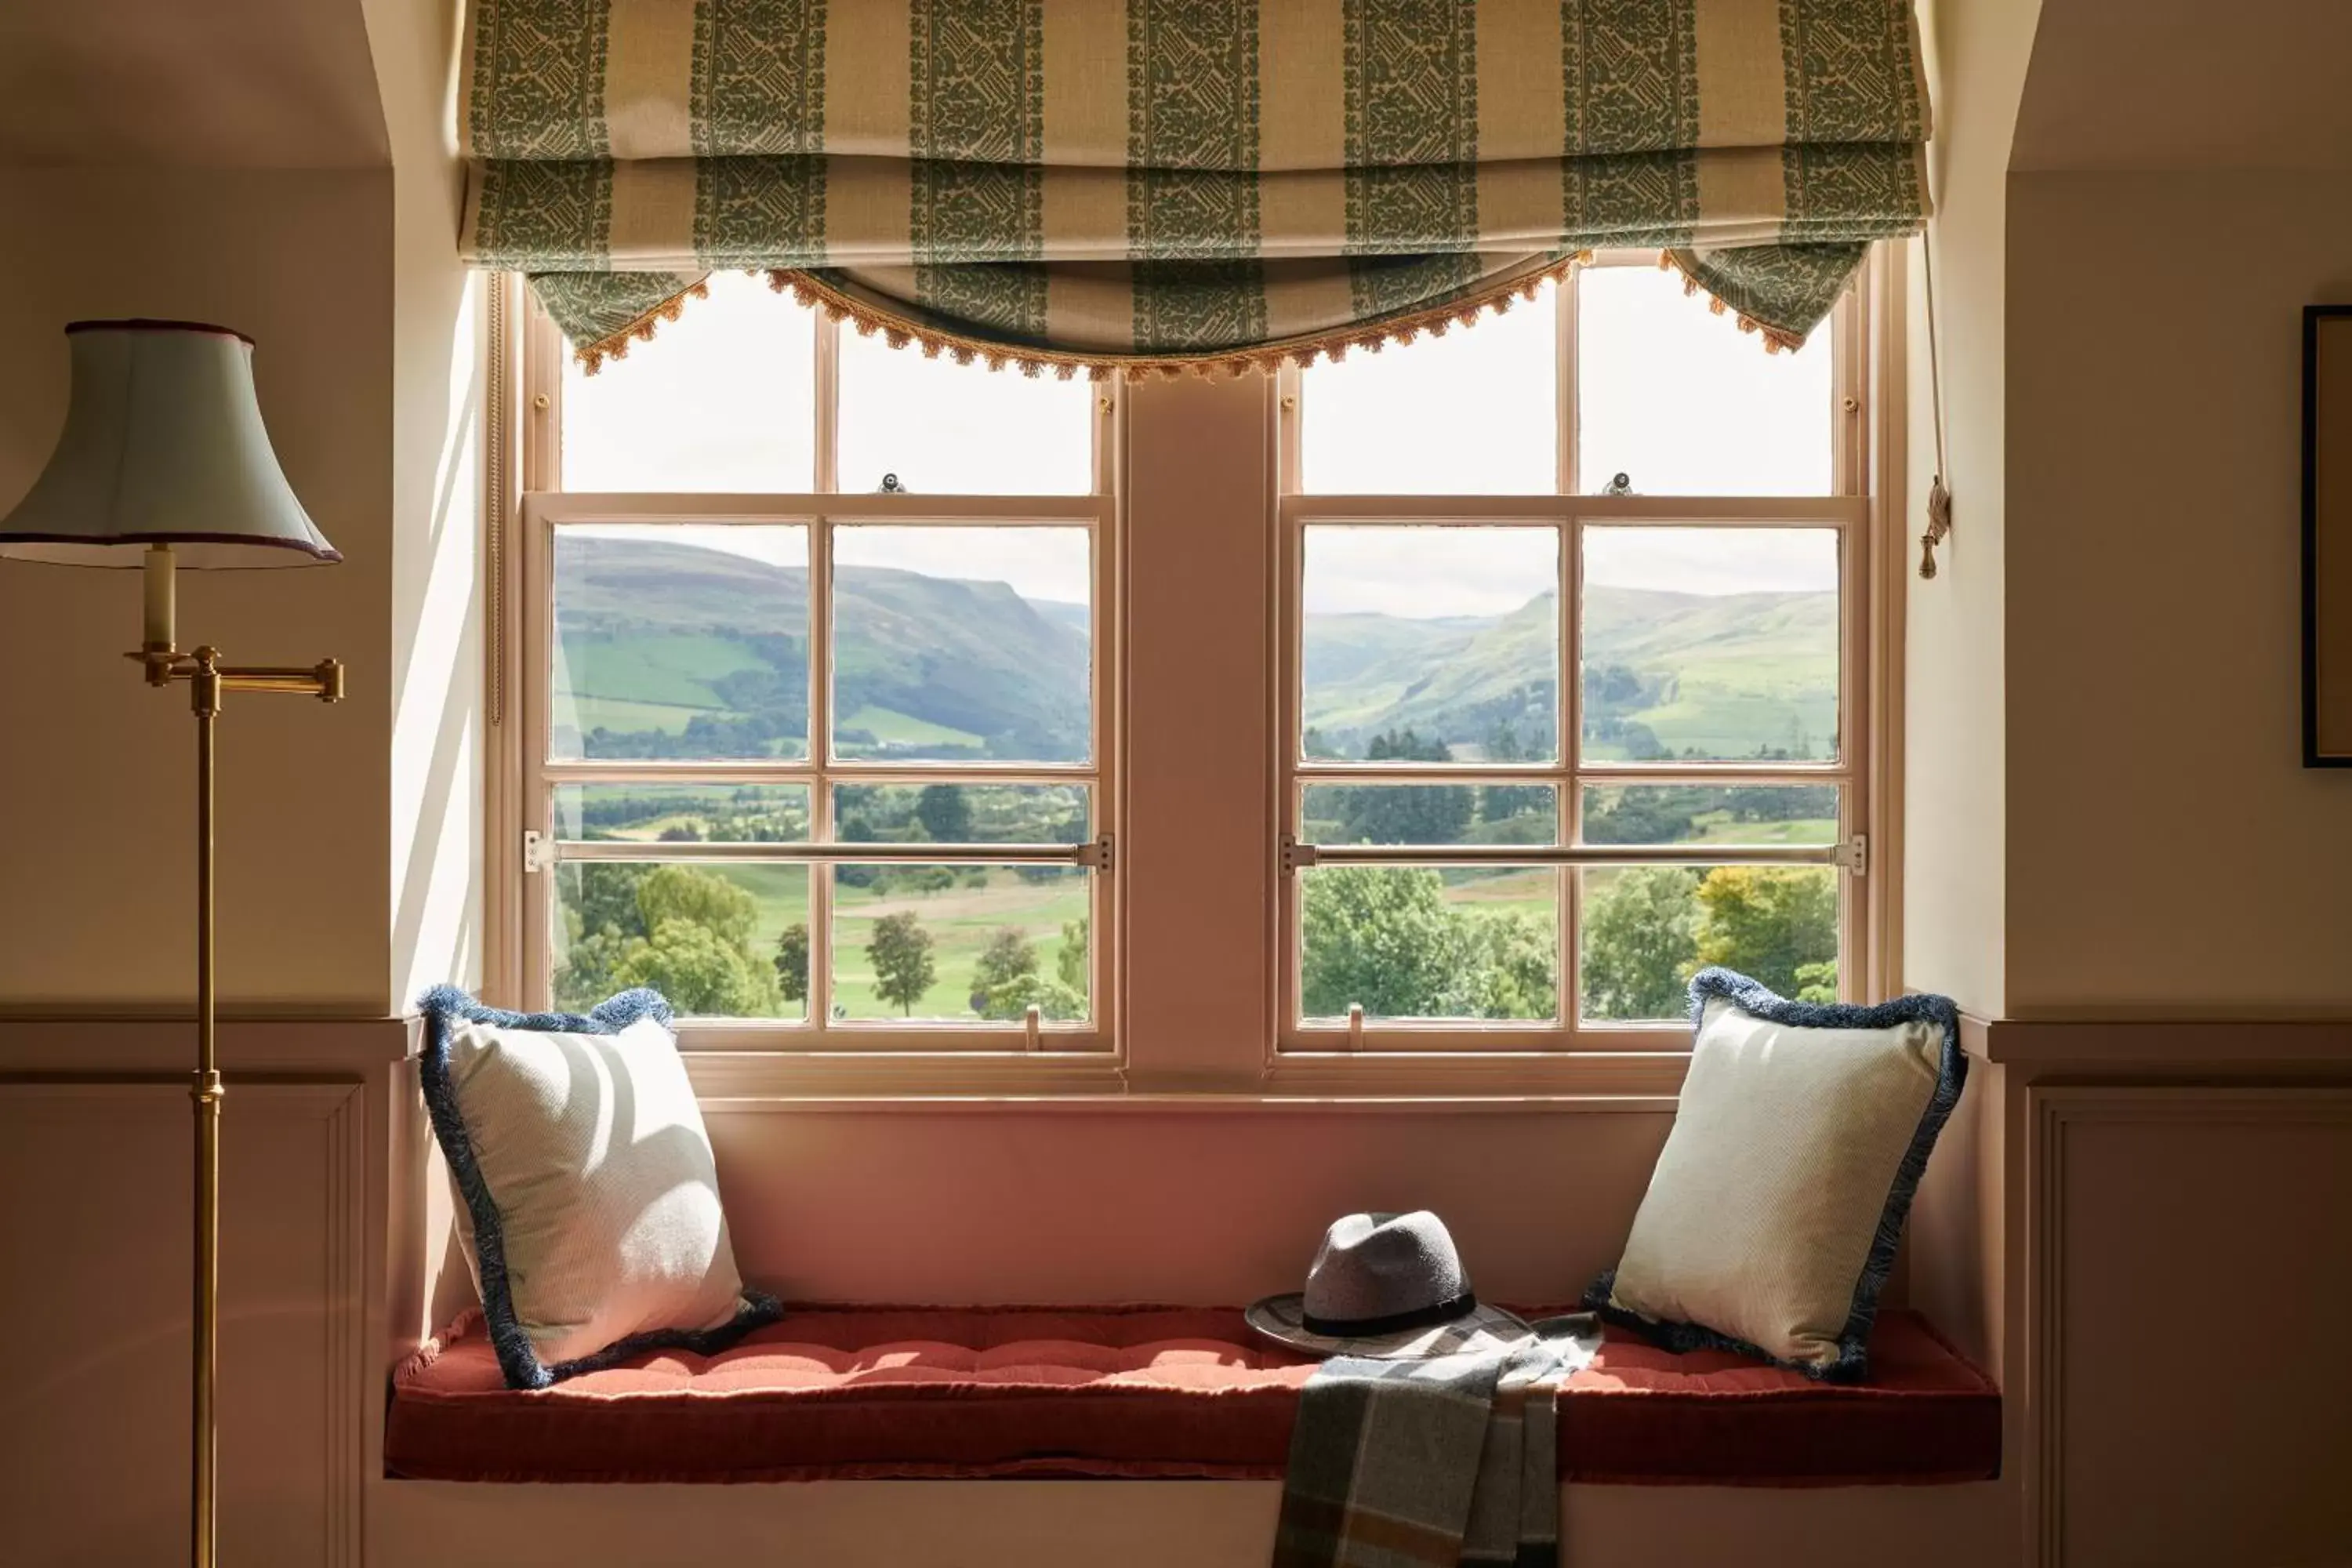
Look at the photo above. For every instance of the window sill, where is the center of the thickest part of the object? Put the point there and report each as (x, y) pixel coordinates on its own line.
(1589, 1081)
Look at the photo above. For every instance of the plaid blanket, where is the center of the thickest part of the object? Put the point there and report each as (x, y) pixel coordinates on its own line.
(1434, 1462)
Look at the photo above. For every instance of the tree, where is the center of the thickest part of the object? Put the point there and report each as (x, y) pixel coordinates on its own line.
(945, 814)
(1511, 968)
(1385, 939)
(1008, 1001)
(1070, 962)
(605, 898)
(1009, 956)
(585, 977)
(1406, 745)
(1771, 923)
(685, 932)
(1507, 802)
(792, 962)
(697, 898)
(699, 970)
(1640, 814)
(1641, 944)
(1417, 814)
(1376, 936)
(904, 968)
(1409, 813)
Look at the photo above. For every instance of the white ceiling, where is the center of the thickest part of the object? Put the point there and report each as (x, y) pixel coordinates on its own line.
(188, 83)
(2188, 84)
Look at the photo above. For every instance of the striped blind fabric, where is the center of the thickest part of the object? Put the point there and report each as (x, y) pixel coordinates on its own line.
(1098, 183)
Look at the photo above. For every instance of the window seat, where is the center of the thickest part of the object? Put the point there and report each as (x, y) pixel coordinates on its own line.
(866, 1392)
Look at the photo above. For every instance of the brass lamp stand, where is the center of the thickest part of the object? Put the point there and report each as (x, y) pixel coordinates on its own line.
(163, 462)
(207, 679)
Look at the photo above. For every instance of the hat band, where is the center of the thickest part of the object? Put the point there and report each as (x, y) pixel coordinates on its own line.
(1364, 1327)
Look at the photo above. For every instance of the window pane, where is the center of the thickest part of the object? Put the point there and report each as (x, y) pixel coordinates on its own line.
(963, 643)
(668, 814)
(959, 813)
(1681, 402)
(1711, 814)
(945, 428)
(1431, 813)
(724, 398)
(1710, 644)
(1473, 413)
(1646, 930)
(1412, 941)
(685, 641)
(719, 942)
(1427, 644)
(965, 944)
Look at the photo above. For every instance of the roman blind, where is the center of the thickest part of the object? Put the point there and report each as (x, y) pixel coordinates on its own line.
(1090, 183)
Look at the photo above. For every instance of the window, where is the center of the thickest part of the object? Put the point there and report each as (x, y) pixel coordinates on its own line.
(1573, 695)
(838, 673)
(815, 724)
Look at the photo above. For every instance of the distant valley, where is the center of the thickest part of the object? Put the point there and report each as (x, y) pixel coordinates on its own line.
(678, 650)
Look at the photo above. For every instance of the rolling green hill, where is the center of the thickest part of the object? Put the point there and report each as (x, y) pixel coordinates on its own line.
(1716, 676)
(678, 650)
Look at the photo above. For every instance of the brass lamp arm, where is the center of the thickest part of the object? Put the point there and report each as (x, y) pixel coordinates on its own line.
(324, 680)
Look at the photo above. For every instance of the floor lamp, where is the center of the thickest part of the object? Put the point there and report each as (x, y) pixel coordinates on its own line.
(164, 463)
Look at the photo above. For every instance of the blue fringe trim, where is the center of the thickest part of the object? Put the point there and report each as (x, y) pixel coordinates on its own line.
(1852, 1362)
(518, 1357)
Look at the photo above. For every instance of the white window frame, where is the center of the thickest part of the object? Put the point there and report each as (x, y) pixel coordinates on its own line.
(523, 800)
(1850, 509)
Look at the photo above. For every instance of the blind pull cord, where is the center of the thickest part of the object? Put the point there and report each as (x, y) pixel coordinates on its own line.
(1939, 499)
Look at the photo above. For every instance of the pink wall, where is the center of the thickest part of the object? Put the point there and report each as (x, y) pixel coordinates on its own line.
(1211, 1205)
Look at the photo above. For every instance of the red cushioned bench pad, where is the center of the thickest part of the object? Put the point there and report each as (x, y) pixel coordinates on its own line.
(875, 1393)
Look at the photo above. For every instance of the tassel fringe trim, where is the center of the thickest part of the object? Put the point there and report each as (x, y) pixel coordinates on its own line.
(616, 345)
(467, 1324)
(898, 332)
(1775, 338)
(1336, 346)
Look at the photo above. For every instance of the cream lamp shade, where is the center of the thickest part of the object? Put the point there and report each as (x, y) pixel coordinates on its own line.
(163, 444)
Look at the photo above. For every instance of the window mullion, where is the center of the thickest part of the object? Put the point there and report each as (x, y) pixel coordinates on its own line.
(1564, 383)
(827, 479)
(1570, 708)
(820, 742)
(827, 405)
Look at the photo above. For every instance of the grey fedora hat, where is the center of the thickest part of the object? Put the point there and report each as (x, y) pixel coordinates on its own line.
(1385, 1285)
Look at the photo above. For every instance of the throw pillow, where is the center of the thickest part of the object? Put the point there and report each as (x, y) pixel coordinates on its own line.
(1771, 1222)
(588, 1197)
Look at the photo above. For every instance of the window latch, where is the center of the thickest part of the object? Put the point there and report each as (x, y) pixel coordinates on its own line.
(1854, 855)
(538, 852)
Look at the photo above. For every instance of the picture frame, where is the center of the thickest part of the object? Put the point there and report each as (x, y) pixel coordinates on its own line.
(2327, 536)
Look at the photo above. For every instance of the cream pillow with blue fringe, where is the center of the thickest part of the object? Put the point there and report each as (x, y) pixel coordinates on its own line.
(1771, 1219)
(588, 1195)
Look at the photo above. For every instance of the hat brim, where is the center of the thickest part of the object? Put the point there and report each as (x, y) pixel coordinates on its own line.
(1283, 1320)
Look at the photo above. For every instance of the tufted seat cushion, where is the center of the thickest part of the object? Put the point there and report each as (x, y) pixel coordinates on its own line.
(873, 1392)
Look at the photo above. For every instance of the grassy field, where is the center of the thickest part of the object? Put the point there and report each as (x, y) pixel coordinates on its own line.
(892, 728)
(1718, 827)
(622, 714)
(961, 921)
(673, 668)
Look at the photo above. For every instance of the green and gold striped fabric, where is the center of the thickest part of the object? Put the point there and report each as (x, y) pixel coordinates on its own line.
(1093, 182)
